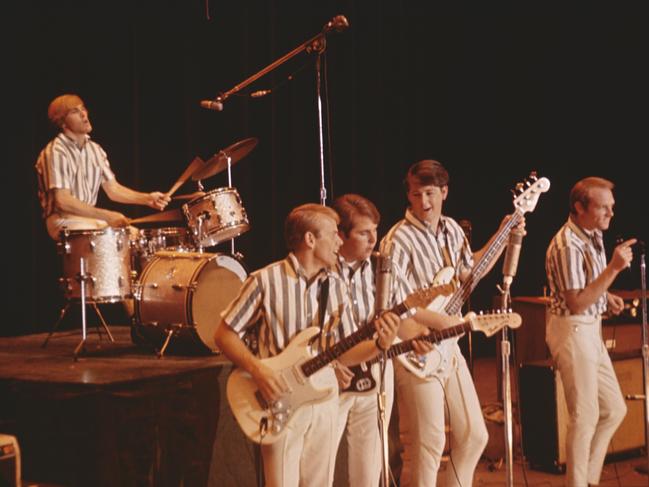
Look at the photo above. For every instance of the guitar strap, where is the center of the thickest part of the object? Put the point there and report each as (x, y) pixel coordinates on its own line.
(323, 299)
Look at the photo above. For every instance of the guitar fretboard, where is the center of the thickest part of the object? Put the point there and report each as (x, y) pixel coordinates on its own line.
(454, 305)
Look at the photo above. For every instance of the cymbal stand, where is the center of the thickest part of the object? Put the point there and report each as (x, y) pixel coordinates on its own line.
(315, 44)
(229, 161)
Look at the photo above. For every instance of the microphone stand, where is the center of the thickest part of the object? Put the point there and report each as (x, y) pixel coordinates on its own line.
(645, 356)
(383, 423)
(506, 385)
(316, 44)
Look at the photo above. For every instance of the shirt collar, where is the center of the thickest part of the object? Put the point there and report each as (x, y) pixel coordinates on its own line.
(297, 270)
(70, 142)
(593, 237)
(412, 219)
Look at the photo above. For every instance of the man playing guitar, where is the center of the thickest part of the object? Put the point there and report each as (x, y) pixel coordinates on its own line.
(422, 244)
(278, 302)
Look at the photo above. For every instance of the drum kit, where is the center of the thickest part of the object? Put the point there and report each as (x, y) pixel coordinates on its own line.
(178, 290)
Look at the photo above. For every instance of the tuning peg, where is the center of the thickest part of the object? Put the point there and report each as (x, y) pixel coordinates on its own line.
(533, 176)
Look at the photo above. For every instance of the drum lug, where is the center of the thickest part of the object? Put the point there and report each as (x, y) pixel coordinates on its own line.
(64, 282)
(178, 287)
(137, 291)
(92, 245)
(153, 285)
(63, 247)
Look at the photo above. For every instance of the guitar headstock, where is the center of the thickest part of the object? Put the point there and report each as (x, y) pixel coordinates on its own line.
(526, 193)
(490, 323)
(423, 297)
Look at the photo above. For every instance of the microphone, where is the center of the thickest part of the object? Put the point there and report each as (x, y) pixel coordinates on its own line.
(216, 105)
(338, 23)
(260, 93)
(511, 256)
(383, 278)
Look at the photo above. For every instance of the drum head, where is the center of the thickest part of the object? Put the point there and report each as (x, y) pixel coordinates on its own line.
(218, 284)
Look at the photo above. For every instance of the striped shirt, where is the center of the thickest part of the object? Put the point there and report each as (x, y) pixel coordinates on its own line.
(281, 302)
(420, 252)
(573, 261)
(63, 165)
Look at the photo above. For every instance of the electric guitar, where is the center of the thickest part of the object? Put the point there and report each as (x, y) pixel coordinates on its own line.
(364, 381)
(526, 197)
(308, 382)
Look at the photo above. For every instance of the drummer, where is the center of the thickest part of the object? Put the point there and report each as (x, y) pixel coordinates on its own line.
(72, 168)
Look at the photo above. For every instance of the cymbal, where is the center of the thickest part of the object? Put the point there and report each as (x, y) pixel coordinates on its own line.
(219, 161)
(164, 216)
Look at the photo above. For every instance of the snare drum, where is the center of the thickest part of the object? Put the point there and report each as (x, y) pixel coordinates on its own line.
(151, 240)
(107, 264)
(185, 292)
(215, 217)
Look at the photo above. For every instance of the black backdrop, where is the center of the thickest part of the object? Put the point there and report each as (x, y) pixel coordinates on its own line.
(491, 92)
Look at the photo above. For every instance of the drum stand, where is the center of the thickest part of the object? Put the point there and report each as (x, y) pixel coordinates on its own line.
(82, 277)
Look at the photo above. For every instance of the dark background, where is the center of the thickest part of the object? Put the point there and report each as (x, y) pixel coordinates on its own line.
(491, 92)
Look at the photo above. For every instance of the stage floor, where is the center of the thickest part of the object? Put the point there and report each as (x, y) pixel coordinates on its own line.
(121, 416)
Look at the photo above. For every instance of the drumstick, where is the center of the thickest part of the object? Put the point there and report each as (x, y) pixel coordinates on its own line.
(163, 216)
(196, 164)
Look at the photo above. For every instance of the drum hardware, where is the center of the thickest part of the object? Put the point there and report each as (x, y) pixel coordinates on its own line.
(82, 277)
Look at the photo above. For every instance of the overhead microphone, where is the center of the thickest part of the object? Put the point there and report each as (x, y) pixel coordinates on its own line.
(338, 23)
(510, 264)
(216, 105)
(260, 93)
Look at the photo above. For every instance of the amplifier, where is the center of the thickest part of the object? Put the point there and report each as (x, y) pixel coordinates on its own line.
(544, 415)
(9, 461)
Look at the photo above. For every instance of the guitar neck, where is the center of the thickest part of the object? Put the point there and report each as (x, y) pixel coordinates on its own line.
(363, 333)
(454, 305)
(435, 336)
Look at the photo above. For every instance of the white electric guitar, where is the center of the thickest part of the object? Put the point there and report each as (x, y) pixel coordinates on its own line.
(307, 379)
(488, 324)
(433, 363)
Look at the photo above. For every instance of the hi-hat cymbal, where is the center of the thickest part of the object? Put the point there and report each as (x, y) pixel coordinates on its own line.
(164, 216)
(219, 162)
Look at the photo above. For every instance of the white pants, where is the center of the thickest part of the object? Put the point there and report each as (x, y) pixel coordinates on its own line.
(306, 454)
(56, 223)
(422, 405)
(595, 403)
(359, 414)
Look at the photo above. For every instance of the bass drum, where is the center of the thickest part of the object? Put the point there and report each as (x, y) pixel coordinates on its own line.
(184, 293)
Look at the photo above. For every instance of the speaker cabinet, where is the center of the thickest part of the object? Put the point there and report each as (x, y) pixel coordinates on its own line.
(544, 415)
